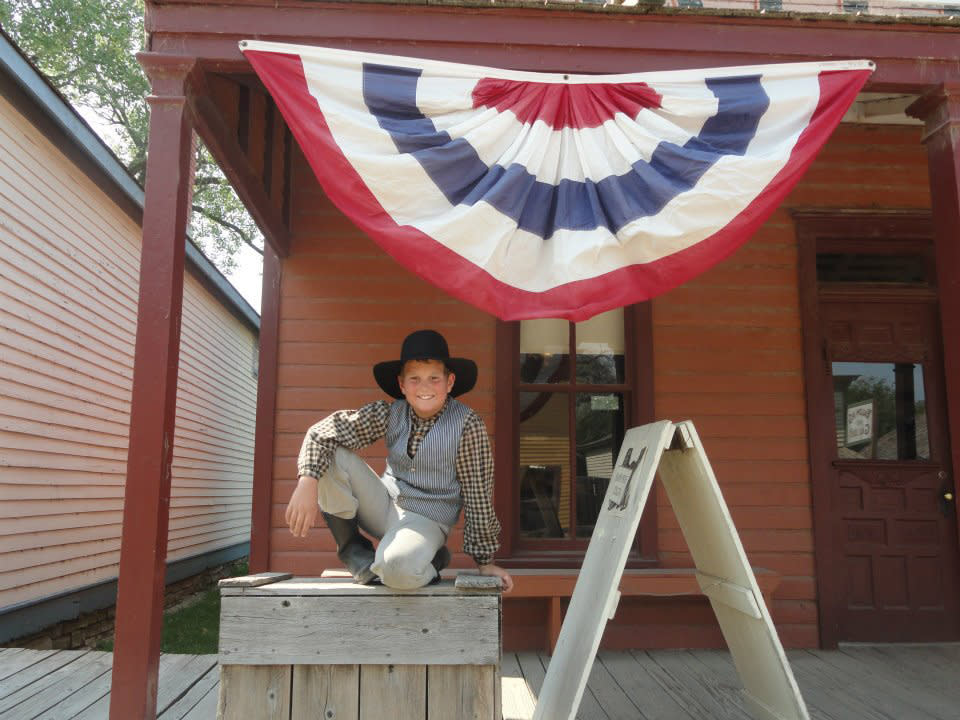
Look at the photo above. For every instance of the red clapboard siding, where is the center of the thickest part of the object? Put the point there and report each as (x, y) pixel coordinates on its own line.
(727, 354)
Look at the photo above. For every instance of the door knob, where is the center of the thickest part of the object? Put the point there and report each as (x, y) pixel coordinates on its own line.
(948, 496)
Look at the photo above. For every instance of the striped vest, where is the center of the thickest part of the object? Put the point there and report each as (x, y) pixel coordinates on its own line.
(426, 483)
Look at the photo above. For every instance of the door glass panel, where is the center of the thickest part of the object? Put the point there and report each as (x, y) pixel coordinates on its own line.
(881, 411)
(600, 346)
(544, 465)
(544, 351)
(600, 429)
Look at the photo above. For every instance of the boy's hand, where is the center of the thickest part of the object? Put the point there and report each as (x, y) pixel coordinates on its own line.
(302, 510)
(497, 571)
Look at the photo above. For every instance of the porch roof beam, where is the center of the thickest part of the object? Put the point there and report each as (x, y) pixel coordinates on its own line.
(909, 57)
(223, 145)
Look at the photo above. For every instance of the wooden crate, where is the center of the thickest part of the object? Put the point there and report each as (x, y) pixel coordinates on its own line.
(327, 648)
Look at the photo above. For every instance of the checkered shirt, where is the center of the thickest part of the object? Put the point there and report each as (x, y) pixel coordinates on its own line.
(357, 429)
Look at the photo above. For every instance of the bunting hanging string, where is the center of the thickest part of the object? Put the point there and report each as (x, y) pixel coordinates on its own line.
(548, 195)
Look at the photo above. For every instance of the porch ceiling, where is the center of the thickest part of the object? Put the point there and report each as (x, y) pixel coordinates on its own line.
(911, 56)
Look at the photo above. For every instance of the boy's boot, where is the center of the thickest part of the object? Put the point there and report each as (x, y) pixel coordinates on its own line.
(354, 550)
(440, 560)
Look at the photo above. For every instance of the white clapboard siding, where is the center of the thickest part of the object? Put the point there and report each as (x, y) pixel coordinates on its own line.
(69, 267)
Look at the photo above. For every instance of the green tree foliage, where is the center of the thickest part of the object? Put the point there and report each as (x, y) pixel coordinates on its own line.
(88, 50)
(882, 393)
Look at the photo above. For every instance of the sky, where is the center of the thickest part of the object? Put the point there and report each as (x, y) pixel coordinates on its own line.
(248, 277)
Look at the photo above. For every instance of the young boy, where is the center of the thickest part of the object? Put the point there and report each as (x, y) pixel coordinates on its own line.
(438, 461)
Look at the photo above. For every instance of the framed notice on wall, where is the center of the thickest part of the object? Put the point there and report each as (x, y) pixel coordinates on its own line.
(860, 418)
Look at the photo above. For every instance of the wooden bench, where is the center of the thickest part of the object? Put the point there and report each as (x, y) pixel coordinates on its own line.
(555, 585)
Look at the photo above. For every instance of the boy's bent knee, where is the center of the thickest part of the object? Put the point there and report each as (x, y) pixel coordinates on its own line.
(400, 574)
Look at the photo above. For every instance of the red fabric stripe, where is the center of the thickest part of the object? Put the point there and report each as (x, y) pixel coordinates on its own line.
(560, 106)
(575, 301)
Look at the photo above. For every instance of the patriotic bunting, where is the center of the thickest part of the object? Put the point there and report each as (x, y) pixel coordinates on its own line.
(548, 195)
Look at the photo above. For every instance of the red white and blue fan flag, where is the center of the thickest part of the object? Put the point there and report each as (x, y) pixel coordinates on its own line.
(549, 195)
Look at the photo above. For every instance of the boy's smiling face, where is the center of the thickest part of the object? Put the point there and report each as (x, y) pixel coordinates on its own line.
(425, 385)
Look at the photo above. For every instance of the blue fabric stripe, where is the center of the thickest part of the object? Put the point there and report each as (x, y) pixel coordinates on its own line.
(541, 208)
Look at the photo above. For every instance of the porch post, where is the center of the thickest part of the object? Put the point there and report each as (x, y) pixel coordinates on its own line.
(940, 110)
(266, 412)
(153, 403)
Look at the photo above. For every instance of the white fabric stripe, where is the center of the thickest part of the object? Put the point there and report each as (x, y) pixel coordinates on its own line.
(440, 67)
(397, 181)
(492, 241)
(611, 149)
(500, 139)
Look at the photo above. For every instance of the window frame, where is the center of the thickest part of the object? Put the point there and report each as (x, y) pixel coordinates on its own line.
(639, 410)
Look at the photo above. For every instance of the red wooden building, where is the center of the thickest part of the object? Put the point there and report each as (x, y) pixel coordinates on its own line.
(820, 362)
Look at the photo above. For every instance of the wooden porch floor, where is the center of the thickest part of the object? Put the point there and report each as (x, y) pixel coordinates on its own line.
(890, 682)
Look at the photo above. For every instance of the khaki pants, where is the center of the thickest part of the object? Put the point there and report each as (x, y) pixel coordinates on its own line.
(408, 541)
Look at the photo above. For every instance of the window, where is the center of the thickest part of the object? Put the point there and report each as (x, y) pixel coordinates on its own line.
(572, 391)
(880, 411)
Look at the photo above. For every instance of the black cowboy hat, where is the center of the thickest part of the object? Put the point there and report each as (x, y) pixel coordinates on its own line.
(425, 345)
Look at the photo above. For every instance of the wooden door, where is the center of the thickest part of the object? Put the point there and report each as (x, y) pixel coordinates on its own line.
(893, 570)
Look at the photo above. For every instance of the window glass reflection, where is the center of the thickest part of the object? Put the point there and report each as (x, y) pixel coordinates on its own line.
(544, 465)
(881, 411)
(600, 427)
(544, 351)
(600, 349)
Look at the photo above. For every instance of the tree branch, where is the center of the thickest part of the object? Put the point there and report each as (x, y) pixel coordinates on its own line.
(230, 226)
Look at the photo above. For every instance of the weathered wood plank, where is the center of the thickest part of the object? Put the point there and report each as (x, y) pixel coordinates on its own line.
(169, 663)
(921, 664)
(98, 710)
(258, 580)
(337, 585)
(906, 700)
(533, 672)
(645, 692)
(45, 692)
(701, 687)
(465, 692)
(206, 708)
(14, 660)
(178, 674)
(616, 704)
(469, 582)
(326, 691)
(261, 692)
(73, 705)
(721, 664)
(518, 699)
(891, 661)
(203, 685)
(832, 699)
(397, 690)
(36, 675)
(398, 629)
